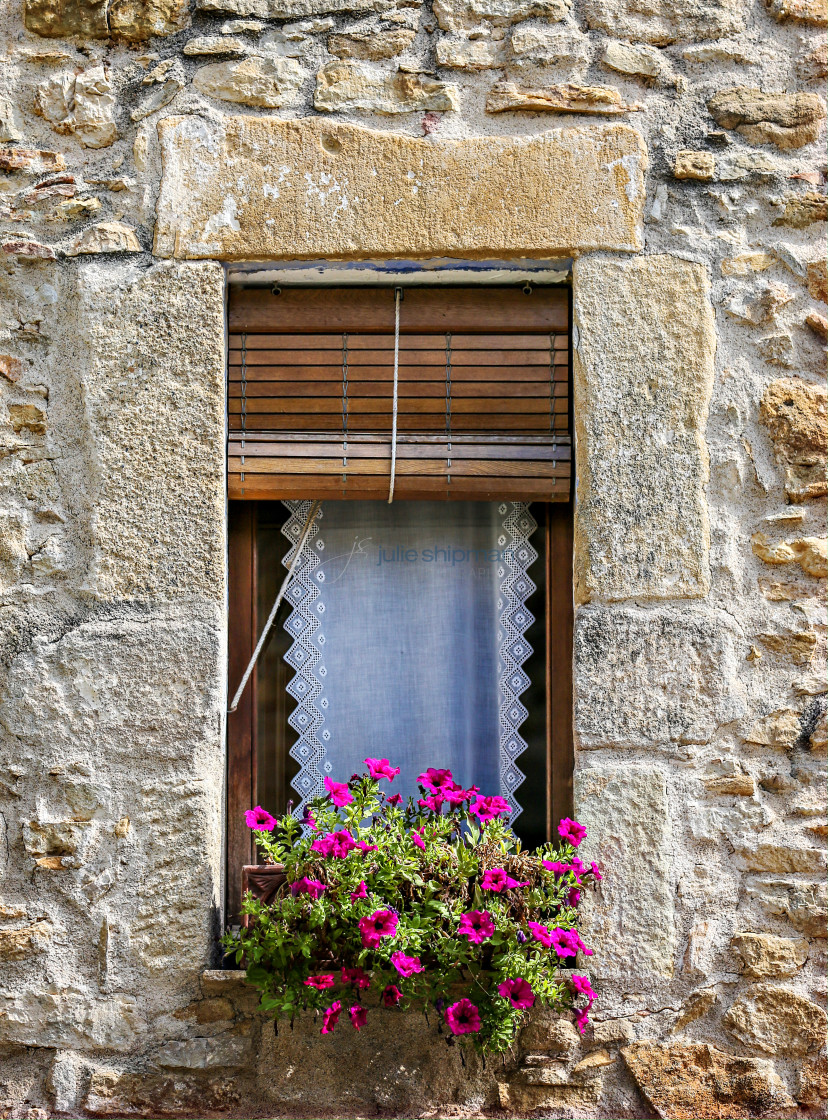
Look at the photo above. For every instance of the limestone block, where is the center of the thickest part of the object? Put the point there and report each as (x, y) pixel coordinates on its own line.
(458, 15)
(268, 83)
(800, 11)
(112, 1092)
(802, 904)
(343, 189)
(13, 551)
(154, 389)
(667, 21)
(818, 323)
(802, 210)
(520, 1099)
(776, 1020)
(224, 1051)
(695, 1007)
(817, 280)
(630, 921)
(31, 160)
(732, 166)
(20, 943)
(215, 44)
(592, 1064)
(645, 677)
(813, 1082)
(83, 104)
(166, 79)
(694, 165)
(105, 237)
(594, 100)
(643, 374)
(789, 120)
(292, 9)
(779, 729)
(130, 20)
(729, 778)
(371, 45)
(635, 61)
(763, 955)
(548, 1033)
(684, 1081)
(794, 413)
(813, 64)
(343, 86)
(461, 53)
(136, 20)
(781, 858)
(549, 45)
(798, 645)
(67, 1018)
(10, 122)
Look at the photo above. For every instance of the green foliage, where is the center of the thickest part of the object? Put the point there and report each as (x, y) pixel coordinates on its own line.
(312, 928)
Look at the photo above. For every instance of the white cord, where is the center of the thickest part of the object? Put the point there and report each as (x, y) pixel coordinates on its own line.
(308, 523)
(397, 294)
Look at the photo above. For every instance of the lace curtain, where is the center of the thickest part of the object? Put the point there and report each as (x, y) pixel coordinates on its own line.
(408, 641)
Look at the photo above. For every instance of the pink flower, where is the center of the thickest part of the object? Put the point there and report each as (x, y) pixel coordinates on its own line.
(331, 1017)
(583, 987)
(541, 933)
(381, 768)
(364, 846)
(595, 871)
(308, 819)
(416, 836)
(463, 1017)
(561, 942)
(436, 780)
(307, 886)
(391, 996)
(360, 892)
(582, 1020)
(359, 1016)
(497, 880)
(260, 819)
(434, 802)
(477, 925)
(340, 794)
(406, 966)
(395, 799)
(357, 977)
(518, 992)
(572, 831)
(573, 898)
(487, 808)
(321, 982)
(456, 795)
(382, 923)
(335, 844)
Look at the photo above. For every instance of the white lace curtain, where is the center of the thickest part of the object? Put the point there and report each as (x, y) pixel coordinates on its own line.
(408, 628)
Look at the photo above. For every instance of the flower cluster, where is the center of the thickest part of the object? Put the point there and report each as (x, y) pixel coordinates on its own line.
(431, 903)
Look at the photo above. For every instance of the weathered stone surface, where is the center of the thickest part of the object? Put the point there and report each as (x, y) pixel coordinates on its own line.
(342, 86)
(155, 403)
(630, 921)
(776, 1020)
(802, 904)
(67, 1017)
(813, 1082)
(268, 83)
(809, 552)
(694, 165)
(372, 45)
(817, 280)
(26, 249)
(111, 1092)
(800, 11)
(549, 46)
(292, 9)
(799, 645)
(10, 122)
(695, 1007)
(729, 778)
(470, 54)
(457, 15)
(802, 210)
(105, 237)
(550, 1034)
(818, 323)
(781, 858)
(166, 79)
(82, 103)
(612, 1031)
(691, 1081)
(595, 100)
(646, 677)
(643, 373)
(794, 412)
(763, 956)
(732, 166)
(580, 188)
(635, 61)
(813, 64)
(215, 44)
(225, 1051)
(780, 729)
(130, 20)
(31, 160)
(789, 120)
(24, 941)
(666, 21)
(136, 20)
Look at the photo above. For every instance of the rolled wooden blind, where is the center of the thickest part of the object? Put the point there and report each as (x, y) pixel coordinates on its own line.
(483, 402)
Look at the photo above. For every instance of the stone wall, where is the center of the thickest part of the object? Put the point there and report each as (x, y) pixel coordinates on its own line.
(674, 149)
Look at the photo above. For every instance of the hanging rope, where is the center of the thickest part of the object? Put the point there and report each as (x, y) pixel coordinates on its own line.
(397, 298)
(285, 582)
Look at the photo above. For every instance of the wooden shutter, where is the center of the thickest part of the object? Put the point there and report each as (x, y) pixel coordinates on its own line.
(483, 393)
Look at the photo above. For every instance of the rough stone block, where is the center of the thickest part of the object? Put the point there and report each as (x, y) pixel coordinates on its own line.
(643, 374)
(344, 86)
(457, 15)
(794, 413)
(267, 83)
(630, 921)
(292, 9)
(129, 20)
(591, 100)
(667, 21)
(68, 1019)
(776, 1020)
(763, 955)
(225, 1051)
(154, 393)
(789, 120)
(647, 677)
(314, 188)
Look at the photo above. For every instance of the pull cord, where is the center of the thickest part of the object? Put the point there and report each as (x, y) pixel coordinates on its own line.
(285, 582)
(397, 298)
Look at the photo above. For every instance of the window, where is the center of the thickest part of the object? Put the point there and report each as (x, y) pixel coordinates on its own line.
(435, 630)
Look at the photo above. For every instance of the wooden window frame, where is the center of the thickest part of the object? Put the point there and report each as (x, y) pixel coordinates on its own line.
(243, 634)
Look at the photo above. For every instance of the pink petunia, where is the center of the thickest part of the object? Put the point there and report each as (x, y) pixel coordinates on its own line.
(331, 1017)
(487, 808)
(456, 795)
(416, 836)
(541, 933)
(335, 844)
(357, 977)
(562, 942)
(406, 966)
(477, 925)
(518, 992)
(574, 897)
(463, 1017)
(583, 987)
(364, 846)
(321, 982)
(381, 768)
(496, 879)
(436, 780)
(360, 892)
(434, 801)
(307, 886)
(359, 1016)
(260, 819)
(572, 831)
(382, 923)
(395, 799)
(561, 869)
(391, 996)
(582, 1020)
(596, 871)
(340, 794)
